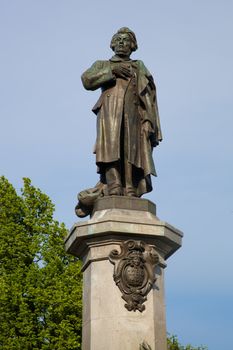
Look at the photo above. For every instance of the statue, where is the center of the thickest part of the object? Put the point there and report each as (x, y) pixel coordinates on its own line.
(128, 125)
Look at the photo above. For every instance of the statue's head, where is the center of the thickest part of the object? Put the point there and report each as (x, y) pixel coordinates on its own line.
(124, 42)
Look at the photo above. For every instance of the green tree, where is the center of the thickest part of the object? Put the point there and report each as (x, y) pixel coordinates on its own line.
(40, 285)
(173, 344)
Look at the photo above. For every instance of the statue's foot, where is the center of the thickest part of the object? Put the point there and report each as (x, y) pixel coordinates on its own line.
(130, 192)
(117, 191)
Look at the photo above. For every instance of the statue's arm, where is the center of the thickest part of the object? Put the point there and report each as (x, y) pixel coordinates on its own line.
(97, 75)
(151, 114)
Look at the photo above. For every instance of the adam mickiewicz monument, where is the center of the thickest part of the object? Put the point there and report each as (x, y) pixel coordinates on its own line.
(127, 118)
(123, 245)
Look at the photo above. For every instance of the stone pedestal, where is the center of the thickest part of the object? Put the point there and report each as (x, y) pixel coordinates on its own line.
(107, 323)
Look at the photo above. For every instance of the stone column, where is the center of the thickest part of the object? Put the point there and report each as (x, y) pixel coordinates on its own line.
(123, 248)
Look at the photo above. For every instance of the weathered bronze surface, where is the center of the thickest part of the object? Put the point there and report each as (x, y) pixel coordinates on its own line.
(134, 272)
(128, 125)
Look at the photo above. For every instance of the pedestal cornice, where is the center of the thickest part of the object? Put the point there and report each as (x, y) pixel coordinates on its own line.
(120, 218)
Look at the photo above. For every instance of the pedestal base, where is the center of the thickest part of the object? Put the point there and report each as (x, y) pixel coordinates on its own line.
(107, 324)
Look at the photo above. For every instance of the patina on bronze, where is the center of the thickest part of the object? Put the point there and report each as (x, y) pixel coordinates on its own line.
(134, 272)
(128, 125)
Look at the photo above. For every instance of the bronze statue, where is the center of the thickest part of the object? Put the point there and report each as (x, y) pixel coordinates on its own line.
(128, 125)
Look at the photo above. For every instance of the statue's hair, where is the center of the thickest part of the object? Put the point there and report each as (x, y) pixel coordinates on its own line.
(125, 30)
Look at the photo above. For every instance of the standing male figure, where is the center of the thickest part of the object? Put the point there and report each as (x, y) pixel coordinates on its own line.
(128, 124)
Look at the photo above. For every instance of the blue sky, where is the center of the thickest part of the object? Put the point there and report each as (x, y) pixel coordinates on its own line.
(48, 129)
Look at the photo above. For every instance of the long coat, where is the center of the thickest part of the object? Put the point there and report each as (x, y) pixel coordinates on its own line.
(110, 108)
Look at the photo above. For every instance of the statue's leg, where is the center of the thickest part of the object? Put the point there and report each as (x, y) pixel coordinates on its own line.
(113, 179)
(129, 187)
(128, 174)
(128, 169)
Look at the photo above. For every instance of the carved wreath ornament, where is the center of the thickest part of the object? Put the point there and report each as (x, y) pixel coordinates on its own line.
(134, 272)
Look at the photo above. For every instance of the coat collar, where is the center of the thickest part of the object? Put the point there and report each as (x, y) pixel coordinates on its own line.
(116, 58)
(142, 75)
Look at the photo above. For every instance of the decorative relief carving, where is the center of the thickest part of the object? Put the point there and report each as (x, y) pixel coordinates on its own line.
(144, 346)
(134, 272)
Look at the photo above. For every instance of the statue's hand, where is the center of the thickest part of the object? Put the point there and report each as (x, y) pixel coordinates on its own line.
(147, 128)
(121, 70)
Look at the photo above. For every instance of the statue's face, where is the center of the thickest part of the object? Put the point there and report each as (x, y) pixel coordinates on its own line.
(122, 45)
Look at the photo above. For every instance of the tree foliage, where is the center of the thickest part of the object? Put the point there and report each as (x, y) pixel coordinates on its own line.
(40, 285)
(173, 344)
